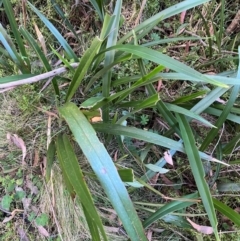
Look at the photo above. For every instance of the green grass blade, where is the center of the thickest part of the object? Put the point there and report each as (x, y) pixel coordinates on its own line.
(91, 225)
(141, 82)
(222, 118)
(109, 57)
(227, 211)
(148, 137)
(198, 108)
(36, 48)
(189, 97)
(188, 113)
(198, 171)
(4, 64)
(74, 174)
(101, 72)
(235, 109)
(126, 175)
(169, 208)
(141, 104)
(65, 19)
(168, 40)
(99, 7)
(14, 26)
(83, 67)
(12, 52)
(169, 12)
(231, 145)
(180, 76)
(104, 169)
(107, 26)
(161, 107)
(56, 33)
(168, 62)
(67, 182)
(4, 52)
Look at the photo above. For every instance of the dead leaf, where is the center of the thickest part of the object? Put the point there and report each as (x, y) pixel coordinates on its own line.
(235, 24)
(7, 219)
(40, 38)
(187, 47)
(159, 85)
(200, 228)
(168, 157)
(221, 101)
(36, 158)
(154, 179)
(149, 234)
(43, 166)
(43, 231)
(20, 144)
(96, 119)
(166, 180)
(111, 229)
(182, 16)
(115, 156)
(30, 185)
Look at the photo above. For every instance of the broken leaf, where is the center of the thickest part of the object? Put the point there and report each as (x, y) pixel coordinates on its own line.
(200, 228)
(20, 144)
(43, 231)
(168, 157)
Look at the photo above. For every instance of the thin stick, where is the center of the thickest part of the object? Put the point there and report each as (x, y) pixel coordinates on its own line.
(38, 77)
(140, 12)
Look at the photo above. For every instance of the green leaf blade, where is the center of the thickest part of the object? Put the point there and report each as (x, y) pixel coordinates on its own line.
(75, 178)
(82, 69)
(104, 169)
(198, 171)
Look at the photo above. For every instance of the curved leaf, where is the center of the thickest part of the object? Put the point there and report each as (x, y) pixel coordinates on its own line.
(227, 211)
(168, 62)
(56, 33)
(169, 208)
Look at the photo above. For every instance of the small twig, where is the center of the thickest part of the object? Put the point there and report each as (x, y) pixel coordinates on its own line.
(5, 211)
(204, 44)
(38, 77)
(46, 85)
(235, 24)
(49, 130)
(220, 136)
(140, 12)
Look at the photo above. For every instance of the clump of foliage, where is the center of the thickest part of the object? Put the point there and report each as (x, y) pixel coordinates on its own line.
(104, 99)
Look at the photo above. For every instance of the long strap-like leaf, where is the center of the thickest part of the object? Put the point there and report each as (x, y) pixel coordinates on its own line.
(104, 169)
(75, 180)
